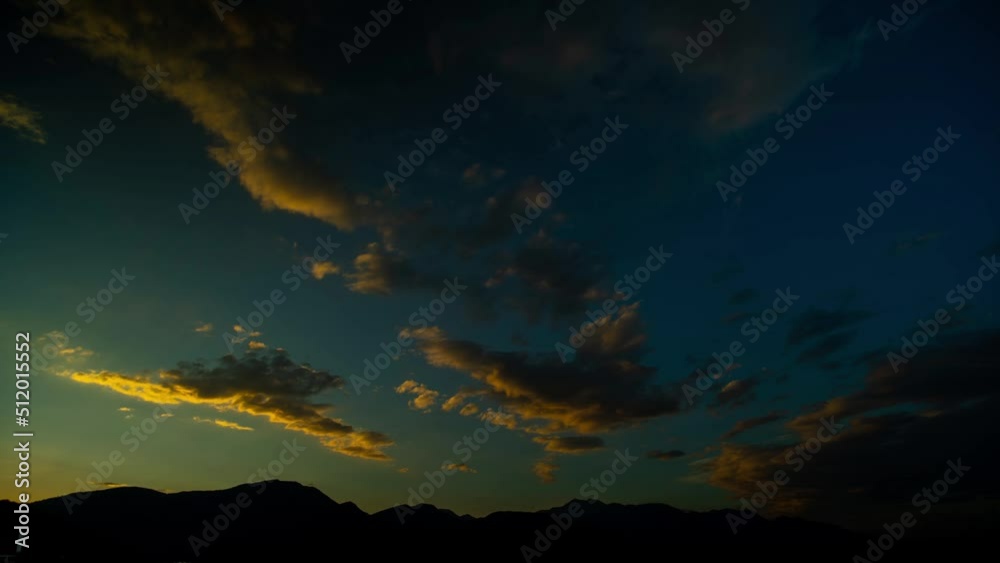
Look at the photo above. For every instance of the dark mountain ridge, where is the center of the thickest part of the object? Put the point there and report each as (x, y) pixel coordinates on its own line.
(291, 522)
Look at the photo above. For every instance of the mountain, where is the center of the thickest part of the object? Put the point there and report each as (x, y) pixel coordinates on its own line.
(286, 521)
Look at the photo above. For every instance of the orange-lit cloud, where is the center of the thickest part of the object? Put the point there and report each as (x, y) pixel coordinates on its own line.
(224, 74)
(425, 397)
(223, 423)
(322, 269)
(545, 469)
(462, 467)
(610, 388)
(267, 384)
(379, 271)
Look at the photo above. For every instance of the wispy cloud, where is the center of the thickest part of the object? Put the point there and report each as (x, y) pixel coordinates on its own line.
(545, 469)
(223, 423)
(20, 119)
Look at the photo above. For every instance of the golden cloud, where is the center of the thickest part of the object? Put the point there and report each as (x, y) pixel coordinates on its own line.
(269, 385)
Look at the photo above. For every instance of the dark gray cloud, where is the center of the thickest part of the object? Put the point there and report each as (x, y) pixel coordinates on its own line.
(552, 278)
(571, 444)
(816, 322)
(736, 393)
(827, 346)
(943, 404)
(750, 423)
(665, 455)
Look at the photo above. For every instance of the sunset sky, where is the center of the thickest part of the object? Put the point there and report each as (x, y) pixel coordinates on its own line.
(490, 356)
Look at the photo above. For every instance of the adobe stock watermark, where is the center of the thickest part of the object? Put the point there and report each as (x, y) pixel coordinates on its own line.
(419, 319)
(31, 26)
(914, 169)
(293, 278)
(248, 150)
(583, 157)
(132, 438)
(899, 17)
(959, 297)
(787, 126)
(753, 329)
(464, 449)
(222, 7)
(925, 500)
(626, 287)
(87, 310)
(121, 107)
(566, 8)
(363, 36)
(229, 512)
(456, 116)
(89, 307)
(795, 457)
(563, 521)
(697, 44)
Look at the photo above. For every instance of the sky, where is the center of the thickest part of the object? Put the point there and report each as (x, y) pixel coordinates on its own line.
(465, 189)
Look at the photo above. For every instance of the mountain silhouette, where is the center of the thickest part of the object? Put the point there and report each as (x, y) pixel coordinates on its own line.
(287, 521)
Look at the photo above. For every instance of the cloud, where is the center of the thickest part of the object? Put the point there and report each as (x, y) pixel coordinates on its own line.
(757, 77)
(736, 393)
(571, 444)
(744, 425)
(267, 384)
(320, 270)
(205, 328)
(906, 426)
(21, 120)
(459, 400)
(425, 397)
(816, 322)
(665, 455)
(223, 423)
(545, 469)
(458, 467)
(605, 388)
(477, 175)
(111, 485)
(229, 78)
(552, 277)
(826, 347)
(378, 271)
(75, 353)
